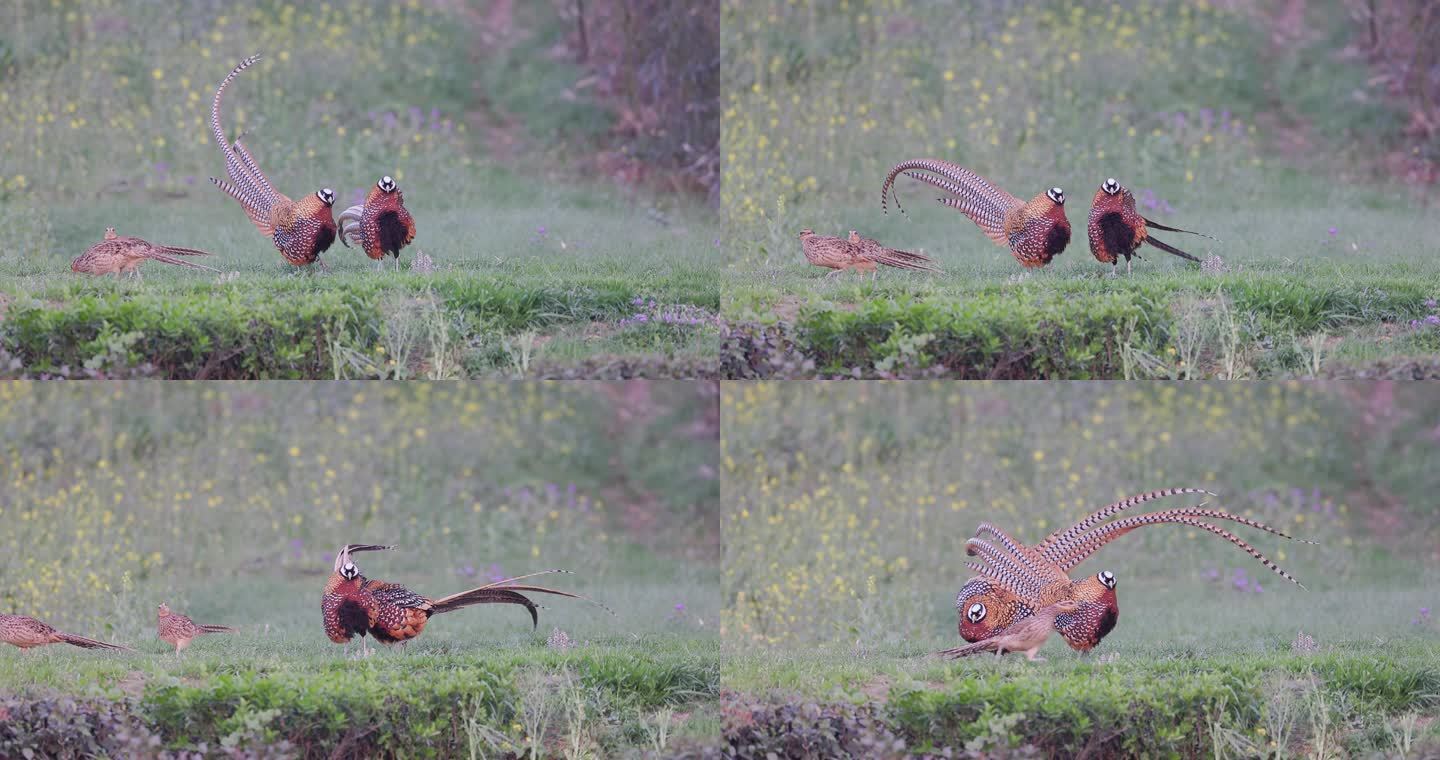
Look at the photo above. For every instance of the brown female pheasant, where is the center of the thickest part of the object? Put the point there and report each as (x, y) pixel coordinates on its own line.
(1117, 229)
(302, 229)
(872, 250)
(116, 254)
(383, 225)
(1017, 579)
(394, 614)
(26, 632)
(1026, 635)
(179, 630)
(1035, 232)
(841, 254)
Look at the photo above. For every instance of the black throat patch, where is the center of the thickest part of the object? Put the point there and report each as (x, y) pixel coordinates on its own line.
(1056, 240)
(1118, 237)
(392, 233)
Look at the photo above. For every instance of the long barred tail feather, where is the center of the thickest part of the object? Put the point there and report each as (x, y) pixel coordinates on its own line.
(1000, 561)
(1005, 579)
(1024, 554)
(259, 217)
(1062, 541)
(985, 645)
(889, 259)
(81, 641)
(165, 258)
(261, 183)
(486, 596)
(976, 197)
(179, 251)
(240, 167)
(217, 629)
(1160, 226)
(1114, 530)
(1166, 247)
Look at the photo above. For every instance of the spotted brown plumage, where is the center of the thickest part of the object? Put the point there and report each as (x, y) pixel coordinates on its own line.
(873, 250)
(1034, 232)
(1116, 229)
(27, 632)
(302, 229)
(118, 254)
(833, 253)
(382, 225)
(1026, 635)
(998, 595)
(356, 605)
(179, 630)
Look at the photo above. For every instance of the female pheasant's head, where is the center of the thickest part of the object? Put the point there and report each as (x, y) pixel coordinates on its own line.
(1057, 195)
(386, 184)
(163, 609)
(326, 196)
(1110, 186)
(806, 233)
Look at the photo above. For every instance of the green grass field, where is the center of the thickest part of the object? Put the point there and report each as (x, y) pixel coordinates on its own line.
(228, 504)
(1322, 269)
(846, 508)
(534, 268)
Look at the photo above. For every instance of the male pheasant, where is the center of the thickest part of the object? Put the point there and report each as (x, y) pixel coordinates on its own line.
(394, 614)
(382, 225)
(26, 632)
(301, 230)
(177, 629)
(1017, 579)
(1035, 232)
(116, 254)
(1117, 229)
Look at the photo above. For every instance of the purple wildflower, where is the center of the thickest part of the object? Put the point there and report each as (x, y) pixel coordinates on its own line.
(1333, 231)
(679, 606)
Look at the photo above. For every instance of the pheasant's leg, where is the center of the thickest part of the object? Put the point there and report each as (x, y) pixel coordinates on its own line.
(1127, 266)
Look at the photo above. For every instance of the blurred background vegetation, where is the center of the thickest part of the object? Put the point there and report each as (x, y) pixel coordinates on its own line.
(113, 95)
(1212, 102)
(847, 506)
(231, 499)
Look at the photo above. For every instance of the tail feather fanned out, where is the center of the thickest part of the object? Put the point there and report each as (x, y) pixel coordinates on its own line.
(974, 196)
